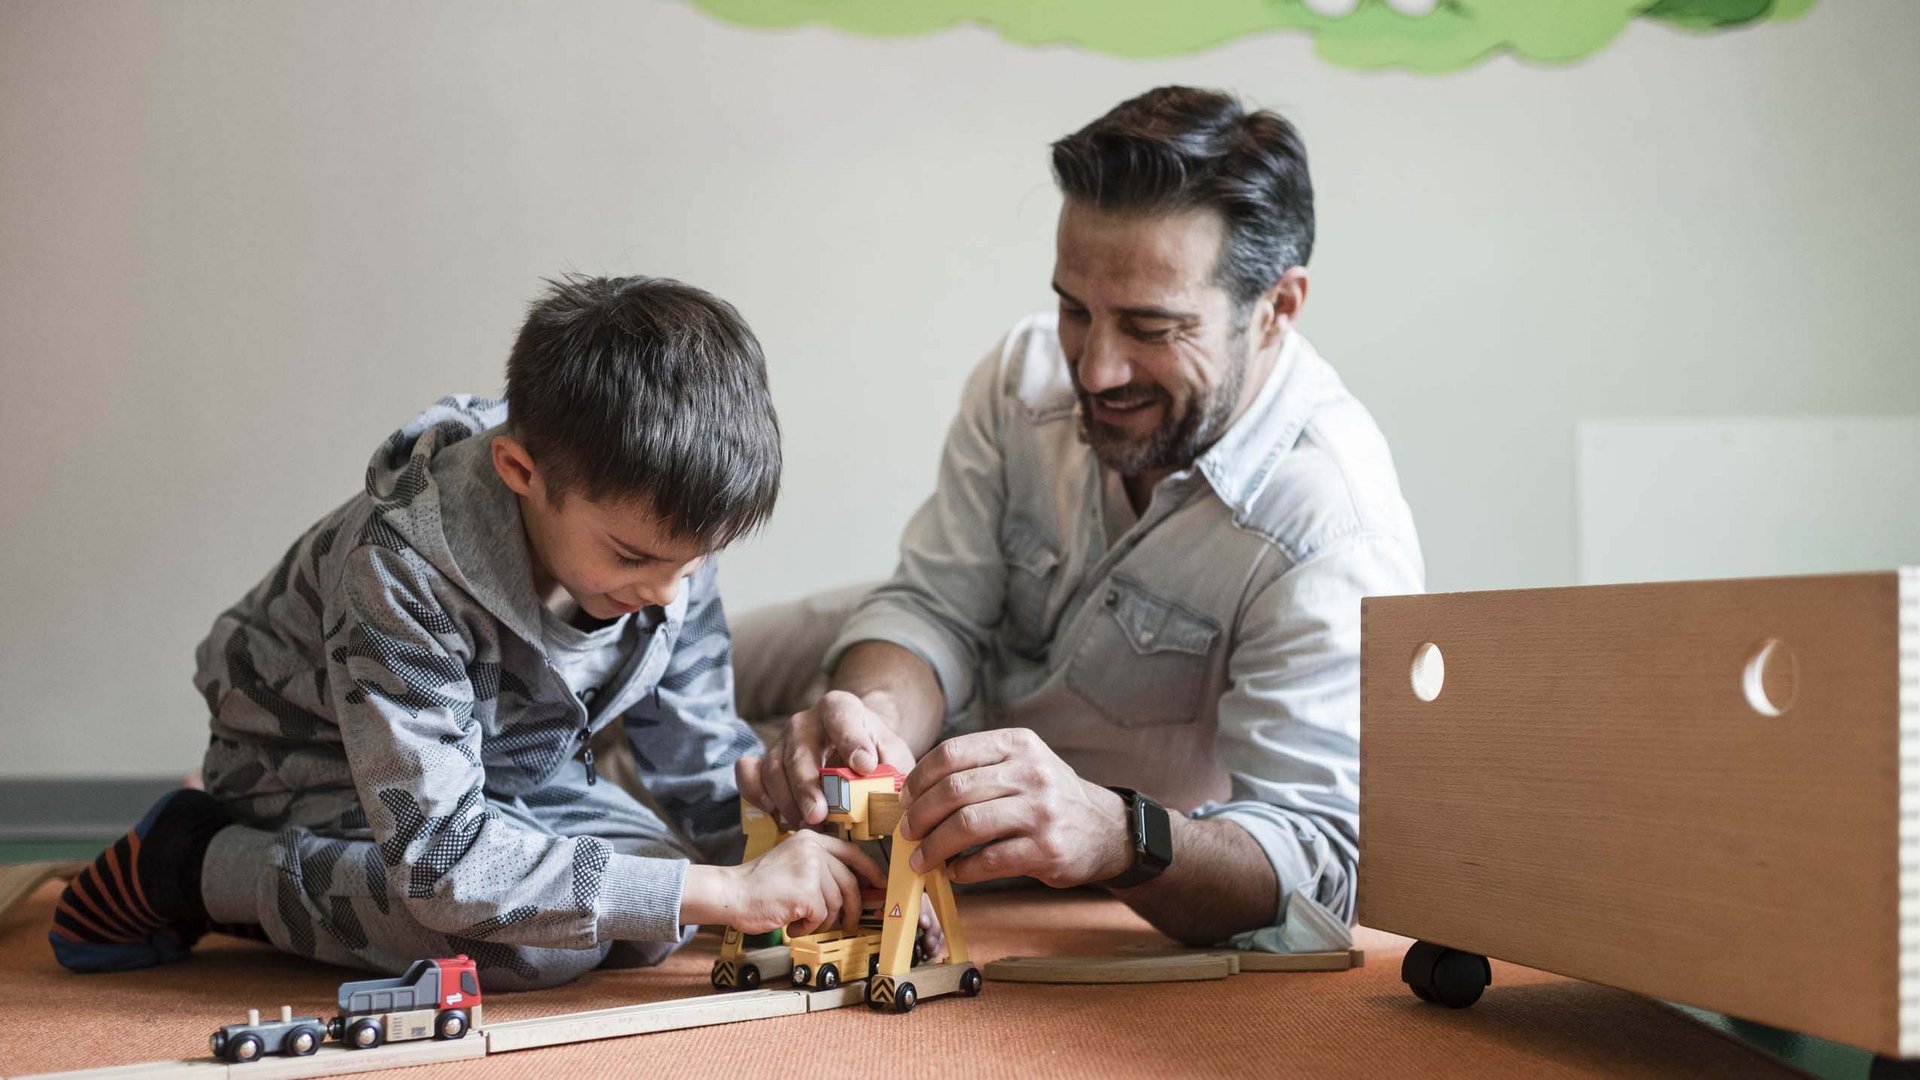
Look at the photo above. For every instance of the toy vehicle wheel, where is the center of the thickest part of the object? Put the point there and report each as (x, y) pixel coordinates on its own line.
(304, 1041)
(873, 965)
(904, 997)
(364, 1035)
(801, 972)
(1445, 976)
(451, 1024)
(970, 982)
(244, 1048)
(749, 977)
(829, 976)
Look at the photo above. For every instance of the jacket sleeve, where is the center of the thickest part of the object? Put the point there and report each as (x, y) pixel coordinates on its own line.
(398, 673)
(686, 734)
(945, 598)
(1289, 734)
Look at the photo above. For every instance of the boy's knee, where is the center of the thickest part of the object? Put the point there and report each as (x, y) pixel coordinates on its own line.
(535, 969)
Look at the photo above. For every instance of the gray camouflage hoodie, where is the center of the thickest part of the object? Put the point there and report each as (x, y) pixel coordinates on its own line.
(388, 682)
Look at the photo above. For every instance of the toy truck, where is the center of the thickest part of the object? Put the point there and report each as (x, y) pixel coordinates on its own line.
(748, 959)
(293, 1036)
(433, 999)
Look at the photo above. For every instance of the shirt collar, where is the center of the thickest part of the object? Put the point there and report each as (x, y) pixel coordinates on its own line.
(1239, 462)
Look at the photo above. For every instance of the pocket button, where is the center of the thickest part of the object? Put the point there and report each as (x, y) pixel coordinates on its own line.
(1113, 597)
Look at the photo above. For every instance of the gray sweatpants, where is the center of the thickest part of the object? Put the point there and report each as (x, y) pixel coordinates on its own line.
(326, 896)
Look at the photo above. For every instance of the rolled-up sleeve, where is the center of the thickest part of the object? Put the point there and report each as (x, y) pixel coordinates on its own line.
(1289, 734)
(945, 597)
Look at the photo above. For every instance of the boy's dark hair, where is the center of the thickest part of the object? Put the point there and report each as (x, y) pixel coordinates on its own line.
(1178, 148)
(637, 387)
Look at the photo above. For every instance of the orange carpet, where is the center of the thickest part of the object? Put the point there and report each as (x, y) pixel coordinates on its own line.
(1360, 1023)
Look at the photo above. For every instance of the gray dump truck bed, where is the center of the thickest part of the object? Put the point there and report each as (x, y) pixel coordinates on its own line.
(418, 988)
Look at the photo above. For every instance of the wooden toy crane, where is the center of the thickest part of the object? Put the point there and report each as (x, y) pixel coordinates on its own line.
(883, 951)
(868, 808)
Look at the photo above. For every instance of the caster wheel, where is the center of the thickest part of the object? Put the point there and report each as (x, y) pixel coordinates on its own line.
(1445, 976)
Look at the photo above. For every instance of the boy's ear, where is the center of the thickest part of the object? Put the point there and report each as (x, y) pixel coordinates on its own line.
(515, 465)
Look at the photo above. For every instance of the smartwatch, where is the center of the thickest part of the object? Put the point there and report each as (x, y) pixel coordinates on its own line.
(1152, 838)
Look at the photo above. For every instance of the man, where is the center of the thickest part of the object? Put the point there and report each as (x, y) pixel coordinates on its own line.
(1155, 518)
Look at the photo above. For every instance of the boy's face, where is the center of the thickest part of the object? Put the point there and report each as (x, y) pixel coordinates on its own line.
(612, 558)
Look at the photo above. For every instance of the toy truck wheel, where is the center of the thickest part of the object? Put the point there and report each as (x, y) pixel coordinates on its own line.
(873, 965)
(970, 982)
(829, 976)
(749, 977)
(801, 973)
(1445, 976)
(904, 997)
(451, 1024)
(303, 1041)
(364, 1035)
(243, 1048)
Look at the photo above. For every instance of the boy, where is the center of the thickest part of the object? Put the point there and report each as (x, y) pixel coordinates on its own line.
(401, 711)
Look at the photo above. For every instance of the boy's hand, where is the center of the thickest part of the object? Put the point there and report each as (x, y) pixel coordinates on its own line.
(808, 882)
(840, 728)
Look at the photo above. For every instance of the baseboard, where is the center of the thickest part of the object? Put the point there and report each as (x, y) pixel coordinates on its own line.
(76, 808)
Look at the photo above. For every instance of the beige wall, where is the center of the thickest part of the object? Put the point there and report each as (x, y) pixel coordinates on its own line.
(240, 242)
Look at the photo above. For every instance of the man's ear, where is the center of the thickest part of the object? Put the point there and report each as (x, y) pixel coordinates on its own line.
(1281, 307)
(515, 465)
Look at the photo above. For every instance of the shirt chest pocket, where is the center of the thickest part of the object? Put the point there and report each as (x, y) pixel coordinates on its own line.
(1144, 660)
(1033, 567)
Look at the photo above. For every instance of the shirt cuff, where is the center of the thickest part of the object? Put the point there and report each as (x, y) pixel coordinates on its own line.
(640, 898)
(1299, 853)
(879, 621)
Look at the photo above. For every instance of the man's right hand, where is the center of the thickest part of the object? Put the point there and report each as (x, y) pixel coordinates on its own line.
(839, 728)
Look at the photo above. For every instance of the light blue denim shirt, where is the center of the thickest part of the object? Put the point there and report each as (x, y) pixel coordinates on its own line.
(1211, 656)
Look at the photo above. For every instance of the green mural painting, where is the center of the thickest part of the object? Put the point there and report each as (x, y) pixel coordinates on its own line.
(1423, 35)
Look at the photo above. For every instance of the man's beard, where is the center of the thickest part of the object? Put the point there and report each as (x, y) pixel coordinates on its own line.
(1182, 435)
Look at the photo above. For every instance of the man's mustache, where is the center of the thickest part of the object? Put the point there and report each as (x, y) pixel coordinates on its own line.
(1126, 397)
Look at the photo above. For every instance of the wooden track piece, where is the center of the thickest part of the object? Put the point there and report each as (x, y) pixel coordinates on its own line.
(1109, 969)
(1257, 960)
(21, 880)
(643, 1019)
(849, 993)
(203, 1069)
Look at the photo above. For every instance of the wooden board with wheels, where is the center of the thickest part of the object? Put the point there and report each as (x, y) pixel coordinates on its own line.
(1691, 790)
(921, 983)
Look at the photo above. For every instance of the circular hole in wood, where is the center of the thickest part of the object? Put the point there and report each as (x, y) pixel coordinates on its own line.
(1429, 671)
(1770, 676)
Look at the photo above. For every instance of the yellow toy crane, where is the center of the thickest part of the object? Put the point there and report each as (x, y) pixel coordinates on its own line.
(868, 808)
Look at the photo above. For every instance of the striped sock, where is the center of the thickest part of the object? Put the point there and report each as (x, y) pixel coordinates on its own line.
(139, 903)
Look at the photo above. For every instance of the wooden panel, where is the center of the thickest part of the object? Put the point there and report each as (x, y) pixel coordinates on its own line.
(1592, 793)
(335, 1060)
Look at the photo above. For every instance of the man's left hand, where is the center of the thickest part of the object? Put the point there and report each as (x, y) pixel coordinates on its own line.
(1007, 790)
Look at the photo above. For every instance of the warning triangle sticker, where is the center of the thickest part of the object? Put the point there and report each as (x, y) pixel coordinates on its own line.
(895, 913)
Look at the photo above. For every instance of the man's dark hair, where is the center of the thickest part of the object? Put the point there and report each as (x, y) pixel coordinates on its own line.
(645, 388)
(1177, 148)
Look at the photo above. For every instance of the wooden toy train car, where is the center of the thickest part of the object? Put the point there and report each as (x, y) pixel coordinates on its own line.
(294, 1036)
(437, 999)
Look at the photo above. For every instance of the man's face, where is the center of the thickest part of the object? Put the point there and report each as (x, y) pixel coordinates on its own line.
(1148, 333)
(613, 558)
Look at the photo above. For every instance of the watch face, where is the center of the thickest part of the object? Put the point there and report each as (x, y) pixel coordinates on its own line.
(1156, 834)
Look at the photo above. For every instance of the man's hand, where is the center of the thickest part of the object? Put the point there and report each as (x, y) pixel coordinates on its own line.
(807, 882)
(1007, 790)
(840, 728)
